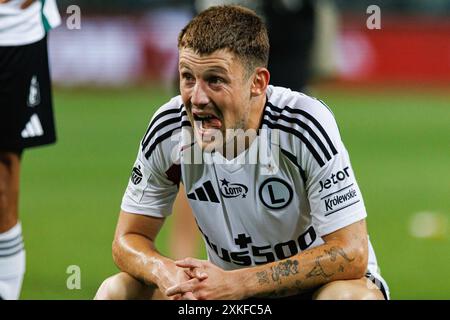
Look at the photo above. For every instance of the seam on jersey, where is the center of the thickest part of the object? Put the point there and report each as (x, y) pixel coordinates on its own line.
(293, 159)
(139, 211)
(340, 221)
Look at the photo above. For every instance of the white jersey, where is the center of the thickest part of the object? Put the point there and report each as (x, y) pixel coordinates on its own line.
(253, 212)
(21, 27)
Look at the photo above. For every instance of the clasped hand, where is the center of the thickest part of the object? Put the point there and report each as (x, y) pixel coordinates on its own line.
(205, 281)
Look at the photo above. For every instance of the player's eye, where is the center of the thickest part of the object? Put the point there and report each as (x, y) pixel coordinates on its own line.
(216, 80)
(187, 76)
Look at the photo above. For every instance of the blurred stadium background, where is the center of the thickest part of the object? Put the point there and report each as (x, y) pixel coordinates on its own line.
(388, 88)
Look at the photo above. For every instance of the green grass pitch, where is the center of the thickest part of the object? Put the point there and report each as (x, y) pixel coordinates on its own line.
(70, 194)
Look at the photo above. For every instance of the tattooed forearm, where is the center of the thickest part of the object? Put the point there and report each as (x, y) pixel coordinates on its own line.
(284, 269)
(307, 271)
(333, 252)
(317, 270)
(262, 277)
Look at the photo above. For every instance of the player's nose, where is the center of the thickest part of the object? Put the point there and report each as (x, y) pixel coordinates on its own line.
(199, 97)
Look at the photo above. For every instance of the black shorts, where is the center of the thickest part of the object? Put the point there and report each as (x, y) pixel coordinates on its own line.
(26, 112)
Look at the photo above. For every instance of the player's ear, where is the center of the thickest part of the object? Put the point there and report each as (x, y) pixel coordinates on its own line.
(260, 81)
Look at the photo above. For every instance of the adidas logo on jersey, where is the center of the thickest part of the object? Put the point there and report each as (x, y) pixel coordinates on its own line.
(204, 193)
(33, 128)
(34, 95)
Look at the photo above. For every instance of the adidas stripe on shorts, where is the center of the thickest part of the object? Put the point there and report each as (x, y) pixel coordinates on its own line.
(26, 112)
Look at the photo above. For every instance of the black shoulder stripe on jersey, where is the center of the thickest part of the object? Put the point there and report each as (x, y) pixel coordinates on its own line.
(302, 125)
(293, 159)
(161, 126)
(298, 135)
(164, 136)
(145, 141)
(310, 118)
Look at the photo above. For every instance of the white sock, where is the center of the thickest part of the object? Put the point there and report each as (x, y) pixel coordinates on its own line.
(12, 263)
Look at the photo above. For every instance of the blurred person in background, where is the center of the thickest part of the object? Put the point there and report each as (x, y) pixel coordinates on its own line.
(26, 118)
(291, 27)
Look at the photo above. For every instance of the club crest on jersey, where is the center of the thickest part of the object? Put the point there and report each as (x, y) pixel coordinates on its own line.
(136, 175)
(232, 190)
(275, 193)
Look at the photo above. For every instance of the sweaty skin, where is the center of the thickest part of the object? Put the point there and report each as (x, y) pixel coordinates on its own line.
(134, 252)
(219, 85)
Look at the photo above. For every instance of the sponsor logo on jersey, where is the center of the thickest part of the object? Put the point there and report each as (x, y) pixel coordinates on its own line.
(233, 190)
(275, 193)
(34, 95)
(331, 203)
(136, 175)
(205, 193)
(337, 201)
(334, 179)
(250, 254)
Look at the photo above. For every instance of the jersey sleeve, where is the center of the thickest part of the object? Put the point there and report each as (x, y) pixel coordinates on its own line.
(334, 196)
(149, 191)
(155, 177)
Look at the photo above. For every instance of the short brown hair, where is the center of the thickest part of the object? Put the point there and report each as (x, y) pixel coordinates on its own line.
(231, 27)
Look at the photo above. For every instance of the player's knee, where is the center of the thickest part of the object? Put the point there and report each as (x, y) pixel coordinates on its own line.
(6, 167)
(3, 196)
(122, 286)
(4, 199)
(9, 184)
(336, 290)
(113, 288)
(344, 290)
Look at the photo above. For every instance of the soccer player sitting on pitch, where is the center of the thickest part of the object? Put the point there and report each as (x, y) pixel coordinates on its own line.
(291, 223)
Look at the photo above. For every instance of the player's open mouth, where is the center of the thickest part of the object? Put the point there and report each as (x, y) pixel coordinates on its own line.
(206, 122)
